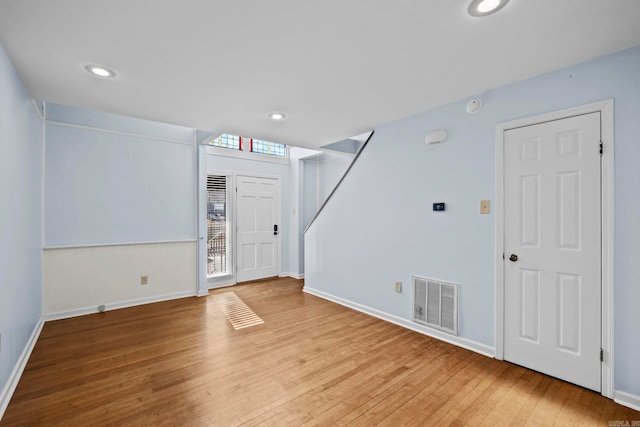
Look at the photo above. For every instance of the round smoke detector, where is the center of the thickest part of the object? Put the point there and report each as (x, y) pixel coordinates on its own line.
(473, 106)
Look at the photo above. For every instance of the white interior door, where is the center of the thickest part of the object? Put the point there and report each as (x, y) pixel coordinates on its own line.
(258, 214)
(552, 306)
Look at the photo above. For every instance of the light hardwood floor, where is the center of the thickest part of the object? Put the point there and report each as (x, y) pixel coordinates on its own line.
(311, 362)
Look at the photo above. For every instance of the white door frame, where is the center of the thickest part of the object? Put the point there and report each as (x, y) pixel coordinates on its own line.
(226, 279)
(605, 108)
(235, 234)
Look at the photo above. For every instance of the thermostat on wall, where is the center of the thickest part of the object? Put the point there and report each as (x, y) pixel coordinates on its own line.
(438, 207)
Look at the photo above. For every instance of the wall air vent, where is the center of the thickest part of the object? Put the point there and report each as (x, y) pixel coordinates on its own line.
(435, 304)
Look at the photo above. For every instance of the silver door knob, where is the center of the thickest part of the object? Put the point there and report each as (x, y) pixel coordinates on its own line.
(513, 257)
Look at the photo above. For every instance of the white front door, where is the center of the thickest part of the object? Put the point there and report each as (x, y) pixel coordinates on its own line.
(552, 306)
(258, 214)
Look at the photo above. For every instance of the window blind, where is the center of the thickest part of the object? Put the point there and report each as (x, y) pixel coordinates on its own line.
(218, 242)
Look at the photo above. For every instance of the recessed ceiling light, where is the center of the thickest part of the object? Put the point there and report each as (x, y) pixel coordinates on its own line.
(277, 116)
(100, 71)
(485, 7)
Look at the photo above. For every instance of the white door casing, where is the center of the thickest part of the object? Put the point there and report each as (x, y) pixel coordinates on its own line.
(606, 109)
(258, 210)
(552, 272)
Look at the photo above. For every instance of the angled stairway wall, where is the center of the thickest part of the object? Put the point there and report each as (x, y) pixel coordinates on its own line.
(379, 226)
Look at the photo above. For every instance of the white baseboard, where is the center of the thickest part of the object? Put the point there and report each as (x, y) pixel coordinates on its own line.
(222, 285)
(14, 378)
(477, 347)
(116, 305)
(221, 281)
(296, 276)
(626, 399)
(203, 293)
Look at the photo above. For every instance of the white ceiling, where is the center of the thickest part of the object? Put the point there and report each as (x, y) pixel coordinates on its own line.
(336, 67)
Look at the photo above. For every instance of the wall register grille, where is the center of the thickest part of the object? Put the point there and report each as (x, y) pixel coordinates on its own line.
(435, 304)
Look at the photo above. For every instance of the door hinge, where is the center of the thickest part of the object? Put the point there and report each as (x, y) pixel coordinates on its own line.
(601, 148)
(601, 355)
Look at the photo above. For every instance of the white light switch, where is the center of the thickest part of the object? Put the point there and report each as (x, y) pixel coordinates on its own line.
(484, 206)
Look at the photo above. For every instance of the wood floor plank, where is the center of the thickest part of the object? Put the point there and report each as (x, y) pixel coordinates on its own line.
(312, 362)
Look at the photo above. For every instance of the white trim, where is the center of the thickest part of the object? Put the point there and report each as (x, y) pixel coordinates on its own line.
(262, 157)
(210, 138)
(468, 344)
(222, 285)
(203, 293)
(258, 175)
(231, 208)
(220, 276)
(18, 369)
(247, 155)
(225, 152)
(235, 217)
(100, 245)
(318, 201)
(332, 155)
(117, 132)
(605, 108)
(196, 200)
(219, 172)
(499, 245)
(221, 281)
(296, 276)
(627, 399)
(117, 305)
(608, 235)
(40, 114)
(43, 178)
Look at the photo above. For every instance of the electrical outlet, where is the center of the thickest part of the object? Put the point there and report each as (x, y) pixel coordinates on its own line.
(484, 206)
(144, 280)
(398, 287)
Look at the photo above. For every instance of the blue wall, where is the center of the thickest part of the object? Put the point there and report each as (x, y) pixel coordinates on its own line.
(20, 217)
(379, 227)
(103, 186)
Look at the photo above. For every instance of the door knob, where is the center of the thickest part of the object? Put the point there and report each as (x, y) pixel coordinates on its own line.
(275, 229)
(513, 257)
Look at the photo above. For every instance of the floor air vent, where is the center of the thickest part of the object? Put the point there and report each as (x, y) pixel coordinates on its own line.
(435, 304)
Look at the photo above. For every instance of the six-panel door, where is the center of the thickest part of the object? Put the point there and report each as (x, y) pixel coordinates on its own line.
(258, 210)
(552, 320)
